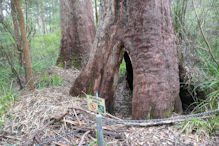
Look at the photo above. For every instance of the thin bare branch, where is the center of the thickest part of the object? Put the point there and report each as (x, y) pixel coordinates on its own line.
(203, 35)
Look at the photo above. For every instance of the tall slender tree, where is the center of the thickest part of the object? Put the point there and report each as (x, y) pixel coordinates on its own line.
(1, 12)
(43, 23)
(143, 29)
(27, 59)
(78, 32)
(16, 34)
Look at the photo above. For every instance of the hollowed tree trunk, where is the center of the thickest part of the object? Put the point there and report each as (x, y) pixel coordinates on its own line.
(143, 29)
(78, 32)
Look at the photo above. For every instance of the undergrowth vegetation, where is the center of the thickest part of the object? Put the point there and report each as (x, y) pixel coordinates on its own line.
(46, 80)
(199, 126)
(44, 52)
(202, 70)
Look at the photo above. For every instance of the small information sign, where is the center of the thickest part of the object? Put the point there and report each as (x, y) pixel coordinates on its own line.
(96, 104)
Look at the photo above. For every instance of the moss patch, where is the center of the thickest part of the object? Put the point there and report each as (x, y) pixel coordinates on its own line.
(76, 62)
(149, 113)
(89, 91)
(170, 111)
(60, 64)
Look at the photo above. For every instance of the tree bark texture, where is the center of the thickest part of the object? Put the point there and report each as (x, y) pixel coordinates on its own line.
(78, 32)
(27, 59)
(17, 34)
(143, 29)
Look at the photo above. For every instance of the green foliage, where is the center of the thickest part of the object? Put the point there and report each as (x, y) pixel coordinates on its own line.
(192, 44)
(75, 62)
(199, 126)
(205, 79)
(122, 68)
(44, 50)
(46, 80)
(44, 47)
(60, 65)
(5, 75)
(6, 96)
(210, 86)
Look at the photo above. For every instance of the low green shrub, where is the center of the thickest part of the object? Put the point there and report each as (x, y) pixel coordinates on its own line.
(199, 126)
(46, 80)
(122, 68)
(6, 97)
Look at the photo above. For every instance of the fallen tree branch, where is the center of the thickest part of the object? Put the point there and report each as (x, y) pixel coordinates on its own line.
(203, 35)
(162, 122)
(114, 117)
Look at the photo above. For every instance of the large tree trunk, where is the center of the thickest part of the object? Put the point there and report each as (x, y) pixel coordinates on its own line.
(143, 29)
(78, 32)
(27, 60)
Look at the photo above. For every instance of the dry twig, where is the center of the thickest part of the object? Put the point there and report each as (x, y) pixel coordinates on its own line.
(79, 122)
(82, 138)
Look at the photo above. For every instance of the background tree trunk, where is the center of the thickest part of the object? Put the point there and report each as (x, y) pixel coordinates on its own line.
(1, 12)
(78, 32)
(17, 35)
(27, 60)
(144, 30)
(42, 18)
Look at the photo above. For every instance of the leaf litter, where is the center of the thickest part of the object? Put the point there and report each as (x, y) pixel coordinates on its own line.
(43, 114)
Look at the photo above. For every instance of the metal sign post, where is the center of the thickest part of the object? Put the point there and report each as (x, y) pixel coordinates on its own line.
(100, 139)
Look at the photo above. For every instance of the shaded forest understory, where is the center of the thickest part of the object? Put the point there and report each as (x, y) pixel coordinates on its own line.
(51, 48)
(43, 105)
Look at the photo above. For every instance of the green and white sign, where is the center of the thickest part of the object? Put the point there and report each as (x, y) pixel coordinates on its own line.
(96, 104)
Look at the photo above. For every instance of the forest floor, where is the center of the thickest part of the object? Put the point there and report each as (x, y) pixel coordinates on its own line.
(43, 114)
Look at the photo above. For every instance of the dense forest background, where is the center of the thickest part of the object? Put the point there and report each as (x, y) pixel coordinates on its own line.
(197, 32)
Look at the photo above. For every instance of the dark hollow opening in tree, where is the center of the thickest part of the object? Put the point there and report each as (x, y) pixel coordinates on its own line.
(145, 30)
(123, 92)
(129, 70)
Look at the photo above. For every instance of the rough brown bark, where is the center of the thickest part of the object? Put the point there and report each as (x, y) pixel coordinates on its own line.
(15, 24)
(144, 28)
(27, 60)
(78, 32)
(17, 35)
(17, 38)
